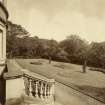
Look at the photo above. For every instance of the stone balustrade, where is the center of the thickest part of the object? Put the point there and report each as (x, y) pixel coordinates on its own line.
(37, 88)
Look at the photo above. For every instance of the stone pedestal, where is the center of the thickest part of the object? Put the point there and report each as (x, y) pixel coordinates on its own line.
(2, 62)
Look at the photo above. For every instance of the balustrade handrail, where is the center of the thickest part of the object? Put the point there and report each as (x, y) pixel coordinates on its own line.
(35, 76)
(39, 79)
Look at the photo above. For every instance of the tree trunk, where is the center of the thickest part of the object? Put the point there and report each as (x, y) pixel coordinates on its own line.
(84, 66)
(50, 60)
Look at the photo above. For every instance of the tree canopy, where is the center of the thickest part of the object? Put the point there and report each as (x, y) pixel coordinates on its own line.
(72, 49)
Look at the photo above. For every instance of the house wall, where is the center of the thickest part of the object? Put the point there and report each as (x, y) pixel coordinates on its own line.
(2, 91)
(14, 88)
(3, 20)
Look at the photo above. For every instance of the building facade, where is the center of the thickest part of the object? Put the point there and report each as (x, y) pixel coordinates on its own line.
(3, 27)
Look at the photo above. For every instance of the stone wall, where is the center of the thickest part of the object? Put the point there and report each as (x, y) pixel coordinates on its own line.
(14, 88)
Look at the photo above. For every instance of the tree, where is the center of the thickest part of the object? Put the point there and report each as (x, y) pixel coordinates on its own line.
(76, 48)
(97, 54)
(51, 49)
(62, 55)
(14, 34)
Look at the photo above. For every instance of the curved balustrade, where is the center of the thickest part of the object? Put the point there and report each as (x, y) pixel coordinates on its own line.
(38, 88)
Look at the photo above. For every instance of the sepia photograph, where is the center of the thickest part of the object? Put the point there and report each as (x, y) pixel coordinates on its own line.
(52, 52)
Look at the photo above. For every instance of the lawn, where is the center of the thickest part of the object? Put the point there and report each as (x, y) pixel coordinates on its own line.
(90, 83)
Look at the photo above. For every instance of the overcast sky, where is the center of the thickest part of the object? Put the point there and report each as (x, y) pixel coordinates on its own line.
(59, 18)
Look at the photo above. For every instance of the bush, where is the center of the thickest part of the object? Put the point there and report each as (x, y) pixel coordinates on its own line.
(36, 63)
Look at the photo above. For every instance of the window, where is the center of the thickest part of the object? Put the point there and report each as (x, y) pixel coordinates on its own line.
(1, 44)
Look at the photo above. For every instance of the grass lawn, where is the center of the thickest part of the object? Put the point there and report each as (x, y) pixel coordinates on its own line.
(91, 82)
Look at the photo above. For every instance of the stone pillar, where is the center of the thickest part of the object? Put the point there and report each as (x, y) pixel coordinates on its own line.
(26, 84)
(1, 45)
(4, 45)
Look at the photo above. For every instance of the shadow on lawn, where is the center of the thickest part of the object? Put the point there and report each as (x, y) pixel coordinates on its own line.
(96, 92)
(80, 72)
(97, 69)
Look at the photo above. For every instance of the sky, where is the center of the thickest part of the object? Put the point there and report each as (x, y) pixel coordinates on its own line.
(57, 19)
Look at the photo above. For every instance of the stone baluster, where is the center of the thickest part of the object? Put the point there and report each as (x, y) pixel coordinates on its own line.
(30, 87)
(52, 90)
(36, 89)
(41, 90)
(48, 92)
(45, 90)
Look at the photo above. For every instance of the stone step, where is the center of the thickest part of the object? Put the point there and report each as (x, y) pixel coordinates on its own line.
(47, 104)
(38, 101)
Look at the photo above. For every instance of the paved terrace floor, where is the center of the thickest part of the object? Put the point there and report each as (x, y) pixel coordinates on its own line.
(69, 74)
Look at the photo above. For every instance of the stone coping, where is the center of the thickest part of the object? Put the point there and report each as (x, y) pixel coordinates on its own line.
(36, 76)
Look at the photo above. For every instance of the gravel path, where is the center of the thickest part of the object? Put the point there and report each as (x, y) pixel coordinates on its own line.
(68, 96)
